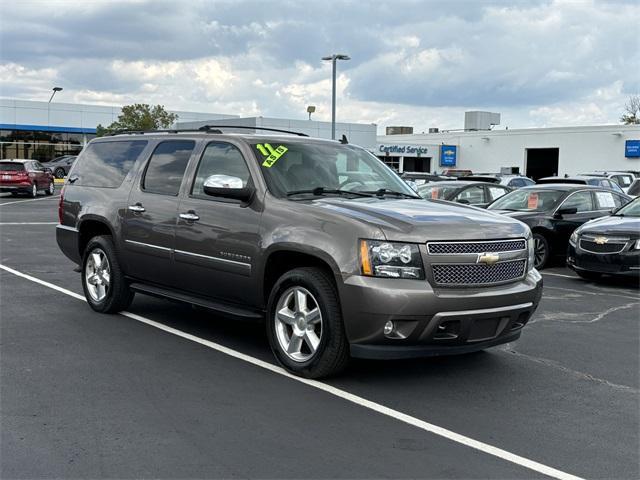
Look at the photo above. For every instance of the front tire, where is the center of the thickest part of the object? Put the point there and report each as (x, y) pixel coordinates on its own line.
(541, 251)
(304, 324)
(59, 172)
(103, 282)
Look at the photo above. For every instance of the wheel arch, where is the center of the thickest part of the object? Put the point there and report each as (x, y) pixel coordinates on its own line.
(281, 259)
(91, 227)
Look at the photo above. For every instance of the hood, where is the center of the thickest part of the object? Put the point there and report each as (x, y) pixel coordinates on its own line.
(629, 226)
(421, 220)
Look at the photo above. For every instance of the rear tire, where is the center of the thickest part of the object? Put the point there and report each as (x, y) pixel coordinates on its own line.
(304, 324)
(103, 282)
(541, 251)
(51, 189)
(34, 191)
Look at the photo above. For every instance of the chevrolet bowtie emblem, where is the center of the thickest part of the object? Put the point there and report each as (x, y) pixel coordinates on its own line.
(601, 240)
(488, 258)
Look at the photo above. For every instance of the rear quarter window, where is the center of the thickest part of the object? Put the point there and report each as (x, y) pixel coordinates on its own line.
(106, 164)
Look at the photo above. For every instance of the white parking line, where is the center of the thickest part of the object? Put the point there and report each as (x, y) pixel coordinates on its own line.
(30, 200)
(363, 402)
(28, 223)
(559, 275)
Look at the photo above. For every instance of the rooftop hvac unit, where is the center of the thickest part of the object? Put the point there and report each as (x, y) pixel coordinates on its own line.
(480, 120)
(399, 130)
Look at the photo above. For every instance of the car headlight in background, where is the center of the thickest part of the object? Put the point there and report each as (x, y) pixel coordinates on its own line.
(636, 245)
(390, 259)
(573, 239)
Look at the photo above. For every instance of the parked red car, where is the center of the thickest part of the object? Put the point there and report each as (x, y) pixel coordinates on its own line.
(25, 176)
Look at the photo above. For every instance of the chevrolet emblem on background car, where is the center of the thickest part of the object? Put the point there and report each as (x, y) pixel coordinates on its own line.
(487, 258)
(601, 240)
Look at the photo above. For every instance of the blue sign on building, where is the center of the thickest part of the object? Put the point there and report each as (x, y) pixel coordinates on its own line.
(448, 155)
(632, 148)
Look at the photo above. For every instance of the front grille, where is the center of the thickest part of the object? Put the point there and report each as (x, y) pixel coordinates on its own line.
(462, 248)
(590, 245)
(466, 274)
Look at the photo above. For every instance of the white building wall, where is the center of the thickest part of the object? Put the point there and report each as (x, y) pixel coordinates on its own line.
(363, 135)
(75, 115)
(581, 149)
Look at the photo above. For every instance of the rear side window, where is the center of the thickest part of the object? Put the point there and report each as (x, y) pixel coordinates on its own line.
(105, 164)
(11, 167)
(166, 167)
(582, 201)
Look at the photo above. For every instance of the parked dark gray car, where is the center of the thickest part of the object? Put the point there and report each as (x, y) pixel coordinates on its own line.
(60, 166)
(320, 238)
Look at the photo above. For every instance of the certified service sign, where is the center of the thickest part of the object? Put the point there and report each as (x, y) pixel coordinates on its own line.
(632, 148)
(448, 155)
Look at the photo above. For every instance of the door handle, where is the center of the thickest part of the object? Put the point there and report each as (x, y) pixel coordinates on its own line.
(189, 216)
(137, 208)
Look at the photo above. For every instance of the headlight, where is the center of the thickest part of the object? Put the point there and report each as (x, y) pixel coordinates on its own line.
(531, 252)
(390, 259)
(573, 239)
(637, 245)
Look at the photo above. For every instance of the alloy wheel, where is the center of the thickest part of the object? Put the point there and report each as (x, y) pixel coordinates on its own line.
(97, 274)
(540, 251)
(52, 188)
(298, 324)
(34, 190)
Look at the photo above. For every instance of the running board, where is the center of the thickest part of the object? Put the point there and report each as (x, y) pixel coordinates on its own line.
(201, 302)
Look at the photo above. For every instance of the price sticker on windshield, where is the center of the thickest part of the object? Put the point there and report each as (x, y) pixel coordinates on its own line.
(272, 154)
(532, 201)
(434, 193)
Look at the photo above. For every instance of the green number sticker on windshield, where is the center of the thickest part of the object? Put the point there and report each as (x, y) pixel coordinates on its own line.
(272, 154)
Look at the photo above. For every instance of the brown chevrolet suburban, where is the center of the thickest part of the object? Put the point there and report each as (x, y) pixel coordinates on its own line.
(319, 238)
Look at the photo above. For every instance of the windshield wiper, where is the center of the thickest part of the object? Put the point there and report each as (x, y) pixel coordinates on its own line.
(385, 191)
(318, 191)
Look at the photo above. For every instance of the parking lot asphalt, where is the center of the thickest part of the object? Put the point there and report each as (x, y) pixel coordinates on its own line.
(106, 396)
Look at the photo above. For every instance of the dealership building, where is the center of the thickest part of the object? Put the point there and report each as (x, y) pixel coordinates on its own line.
(42, 130)
(535, 152)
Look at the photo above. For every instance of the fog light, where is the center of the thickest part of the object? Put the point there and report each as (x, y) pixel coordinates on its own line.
(388, 328)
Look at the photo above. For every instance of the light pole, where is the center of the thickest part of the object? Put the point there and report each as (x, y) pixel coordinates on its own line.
(55, 90)
(334, 58)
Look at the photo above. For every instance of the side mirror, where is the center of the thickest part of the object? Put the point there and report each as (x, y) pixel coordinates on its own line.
(226, 186)
(566, 211)
(48, 170)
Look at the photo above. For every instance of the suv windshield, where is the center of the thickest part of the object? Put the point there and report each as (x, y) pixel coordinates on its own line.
(631, 209)
(528, 200)
(292, 168)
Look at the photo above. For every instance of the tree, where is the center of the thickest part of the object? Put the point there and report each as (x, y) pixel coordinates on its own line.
(631, 114)
(140, 116)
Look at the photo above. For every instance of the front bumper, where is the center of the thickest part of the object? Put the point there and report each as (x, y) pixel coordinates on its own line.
(432, 321)
(625, 263)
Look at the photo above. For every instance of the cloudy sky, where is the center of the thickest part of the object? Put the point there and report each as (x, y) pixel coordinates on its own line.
(418, 63)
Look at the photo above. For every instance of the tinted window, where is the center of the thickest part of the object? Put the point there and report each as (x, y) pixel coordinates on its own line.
(472, 195)
(528, 200)
(580, 200)
(166, 167)
(220, 159)
(105, 164)
(11, 167)
(635, 188)
(517, 182)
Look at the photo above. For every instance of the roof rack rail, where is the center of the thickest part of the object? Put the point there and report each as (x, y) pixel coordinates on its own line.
(209, 128)
(173, 130)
